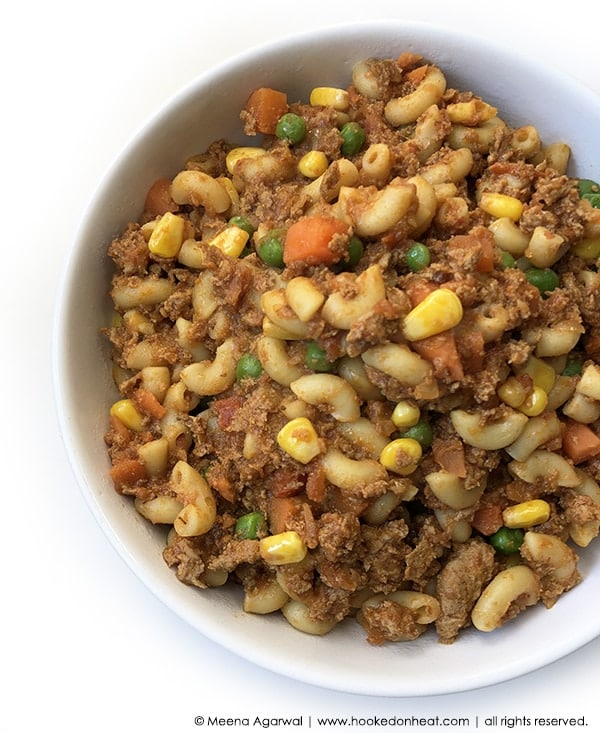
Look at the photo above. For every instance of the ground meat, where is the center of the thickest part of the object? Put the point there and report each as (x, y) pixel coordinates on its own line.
(329, 474)
(459, 584)
(389, 621)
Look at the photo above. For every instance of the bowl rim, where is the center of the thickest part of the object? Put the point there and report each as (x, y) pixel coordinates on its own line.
(154, 581)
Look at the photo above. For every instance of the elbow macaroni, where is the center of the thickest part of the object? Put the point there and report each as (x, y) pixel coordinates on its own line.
(331, 419)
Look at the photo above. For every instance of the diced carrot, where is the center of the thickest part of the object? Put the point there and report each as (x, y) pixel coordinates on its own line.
(127, 472)
(158, 199)
(309, 240)
(288, 481)
(485, 263)
(480, 242)
(218, 479)
(487, 519)
(441, 351)
(449, 453)
(266, 106)
(580, 442)
(471, 348)
(149, 405)
(316, 483)
(281, 511)
(226, 410)
(417, 75)
(417, 289)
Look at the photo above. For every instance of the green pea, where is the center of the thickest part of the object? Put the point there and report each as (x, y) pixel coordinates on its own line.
(544, 279)
(250, 526)
(421, 432)
(248, 367)
(574, 366)
(507, 540)
(270, 248)
(507, 260)
(353, 138)
(242, 223)
(316, 359)
(418, 257)
(291, 127)
(593, 198)
(355, 251)
(587, 186)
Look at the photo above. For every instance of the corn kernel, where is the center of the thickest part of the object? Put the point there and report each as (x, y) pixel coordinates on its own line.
(231, 241)
(401, 456)
(406, 414)
(526, 514)
(167, 236)
(437, 312)
(541, 373)
(234, 195)
(237, 154)
(313, 164)
(512, 392)
(535, 403)
(125, 411)
(330, 97)
(299, 439)
(499, 204)
(283, 548)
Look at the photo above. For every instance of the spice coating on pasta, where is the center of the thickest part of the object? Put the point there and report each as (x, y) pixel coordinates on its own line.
(356, 367)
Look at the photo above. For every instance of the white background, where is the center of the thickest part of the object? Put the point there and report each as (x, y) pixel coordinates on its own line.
(84, 646)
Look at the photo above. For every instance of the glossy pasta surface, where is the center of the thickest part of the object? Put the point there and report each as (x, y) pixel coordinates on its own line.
(357, 362)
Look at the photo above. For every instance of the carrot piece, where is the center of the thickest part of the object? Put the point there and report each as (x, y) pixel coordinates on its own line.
(316, 483)
(481, 244)
(417, 289)
(449, 453)
(127, 472)
(158, 199)
(266, 106)
(487, 519)
(441, 351)
(149, 405)
(281, 512)
(580, 442)
(485, 262)
(308, 240)
(226, 409)
(471, 348)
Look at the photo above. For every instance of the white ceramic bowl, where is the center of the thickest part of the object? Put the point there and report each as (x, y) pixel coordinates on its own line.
(209, 109)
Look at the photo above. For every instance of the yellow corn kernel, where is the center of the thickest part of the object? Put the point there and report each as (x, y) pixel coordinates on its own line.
(401, 456)
(499, 204)
(437, 312)
(167, 236)
(541, 373)
(237, 154)
(283, 548)
(231, 241)
(330, 97)
(535, 403)
(512, 392)
(313, 164)
(406, 414)
(587, 248)
(125, 411)
(234, 195)
(299, 439)
(526, 514)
